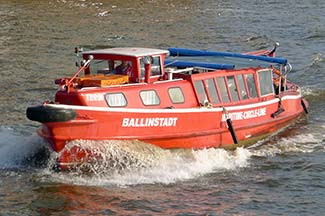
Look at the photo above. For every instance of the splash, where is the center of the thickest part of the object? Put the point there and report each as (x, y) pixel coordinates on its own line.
(317, 60)
(134, 162)
(19, 150)
(307, 91)
(301, 143)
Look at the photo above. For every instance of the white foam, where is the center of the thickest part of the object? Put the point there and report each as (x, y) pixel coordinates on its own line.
(307, 91)
(304, 143)
(154, 165)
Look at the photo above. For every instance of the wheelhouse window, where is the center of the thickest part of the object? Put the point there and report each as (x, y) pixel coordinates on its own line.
(241, 86)
(223, 89)
(199, 87)
(155, 67)
(233, 88)
(212, 89)
(142, 70)
(176, 95)
(149, 97)
(122, 67)
(265, 82)
(251, 85)
(116, 99)
(100, 66)
(104, 66)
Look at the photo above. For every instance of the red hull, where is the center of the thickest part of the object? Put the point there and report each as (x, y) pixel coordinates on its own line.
(192, 128)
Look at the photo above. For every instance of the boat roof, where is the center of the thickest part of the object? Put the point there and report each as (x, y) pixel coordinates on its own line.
(127, 51)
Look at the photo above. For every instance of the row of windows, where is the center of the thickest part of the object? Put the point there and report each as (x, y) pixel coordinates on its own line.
(148, 97)
(233, 87)
(219, 89)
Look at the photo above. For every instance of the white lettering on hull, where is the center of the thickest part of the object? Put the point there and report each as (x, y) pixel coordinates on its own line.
(149, 122)
(94, 97)
(246, 114)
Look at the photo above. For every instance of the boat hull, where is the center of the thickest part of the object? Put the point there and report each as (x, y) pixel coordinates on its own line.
(194, 128)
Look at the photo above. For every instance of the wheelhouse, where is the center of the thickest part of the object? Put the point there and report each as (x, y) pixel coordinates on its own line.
(107, 60)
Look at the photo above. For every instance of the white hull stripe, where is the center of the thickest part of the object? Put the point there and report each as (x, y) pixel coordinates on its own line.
(182, 110)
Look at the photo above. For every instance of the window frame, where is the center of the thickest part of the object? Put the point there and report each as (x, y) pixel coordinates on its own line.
(235, 89)
(226, 89)
(206, 99)
(210, 96)
(142, 67)
(115, 93)
(244, 89)
(248, 86)
(181, 91)
(259, 82)
(149, 90)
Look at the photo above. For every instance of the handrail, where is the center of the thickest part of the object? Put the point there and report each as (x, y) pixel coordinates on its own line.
(80, 69)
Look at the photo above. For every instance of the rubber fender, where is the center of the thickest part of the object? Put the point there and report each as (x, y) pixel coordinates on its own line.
(304, 106)
(278, 112)
(46, 114)
(232, 130)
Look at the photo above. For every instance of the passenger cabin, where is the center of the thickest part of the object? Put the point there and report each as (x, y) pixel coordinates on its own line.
(147, 81)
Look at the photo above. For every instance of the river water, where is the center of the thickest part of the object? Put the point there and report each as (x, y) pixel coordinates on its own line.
(284, 176)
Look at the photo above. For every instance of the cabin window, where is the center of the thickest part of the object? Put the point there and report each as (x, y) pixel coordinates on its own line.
(99, 66)
(142, 70)
(265, 82)
(202, 96)
(251, 85)
(233, 88)
(122, 67)
(149, 97)
(212, 89)
(155, 67)
(116, 99)
(242, 88)
(223, 89)
(176, 95)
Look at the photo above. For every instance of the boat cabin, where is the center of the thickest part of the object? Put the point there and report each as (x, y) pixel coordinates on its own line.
(144, 78)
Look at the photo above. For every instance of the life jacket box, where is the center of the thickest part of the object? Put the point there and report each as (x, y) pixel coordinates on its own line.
(103, 80)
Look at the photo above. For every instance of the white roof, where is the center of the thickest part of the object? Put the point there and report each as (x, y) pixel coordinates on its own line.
(128, 51)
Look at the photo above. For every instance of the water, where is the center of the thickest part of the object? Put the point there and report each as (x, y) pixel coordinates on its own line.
(282, 175)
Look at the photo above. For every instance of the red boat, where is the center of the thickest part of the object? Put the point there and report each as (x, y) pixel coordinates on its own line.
(176, 98)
